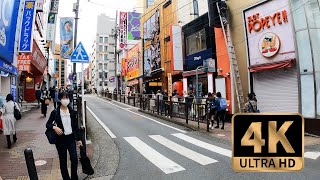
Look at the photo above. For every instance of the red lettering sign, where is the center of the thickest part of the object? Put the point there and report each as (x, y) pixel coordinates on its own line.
(256, 24)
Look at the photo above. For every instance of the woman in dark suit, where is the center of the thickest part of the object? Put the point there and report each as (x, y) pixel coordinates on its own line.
(64, 122)
(45, 95)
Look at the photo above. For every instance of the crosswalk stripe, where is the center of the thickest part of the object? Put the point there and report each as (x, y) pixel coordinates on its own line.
(163, 163)
(204, 145)
(197, 157)
(312, 155)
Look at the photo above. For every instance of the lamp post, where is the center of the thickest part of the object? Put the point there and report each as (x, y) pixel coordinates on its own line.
(76, 11)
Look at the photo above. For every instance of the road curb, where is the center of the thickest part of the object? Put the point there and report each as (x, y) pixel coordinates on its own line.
(107, 161)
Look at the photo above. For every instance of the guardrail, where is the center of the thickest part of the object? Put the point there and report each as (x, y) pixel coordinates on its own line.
(190, 109)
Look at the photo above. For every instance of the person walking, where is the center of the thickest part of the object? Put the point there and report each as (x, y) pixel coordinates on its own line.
(9, 121)
(45, 99)
(38, 94)
(63, 121)
(221, 110)
(55, 97)
(251, 105)
(212, 109)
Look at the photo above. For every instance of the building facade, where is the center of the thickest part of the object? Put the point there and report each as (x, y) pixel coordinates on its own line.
(61, 69)
(103, 63)
(276, 46)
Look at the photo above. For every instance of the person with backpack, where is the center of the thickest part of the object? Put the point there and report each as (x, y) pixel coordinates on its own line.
(251, 105)
(212, 108)
(221, 110)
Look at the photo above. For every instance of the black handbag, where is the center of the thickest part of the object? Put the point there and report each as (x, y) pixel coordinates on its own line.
(51, 134)
(85, 162)
(16, 113)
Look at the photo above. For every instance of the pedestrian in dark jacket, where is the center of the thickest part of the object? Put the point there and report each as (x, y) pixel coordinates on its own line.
(38, 95)
(45, 96)
(64, 122)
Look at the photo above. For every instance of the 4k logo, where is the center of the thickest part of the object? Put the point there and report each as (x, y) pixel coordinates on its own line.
(267, 142)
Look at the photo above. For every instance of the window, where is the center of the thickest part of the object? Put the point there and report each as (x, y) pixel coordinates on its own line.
(196, 42)
(105, 39)
(105, 66)
(100, 57)
(105, 75)
(149, 2)
(100, 39)
(100, 75)
(100, 66)
(106, 83)
(100, 83)
(105, 48)
(111, 52)
(105, 57)
(100, 48)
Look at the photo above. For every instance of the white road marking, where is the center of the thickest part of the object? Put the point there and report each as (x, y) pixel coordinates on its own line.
(144, 116)
(204, 145)
(102, 124)
(188, 153)
(312, 155)
(162, 162)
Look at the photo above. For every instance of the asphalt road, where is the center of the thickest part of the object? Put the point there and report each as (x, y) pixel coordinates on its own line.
(151, 148)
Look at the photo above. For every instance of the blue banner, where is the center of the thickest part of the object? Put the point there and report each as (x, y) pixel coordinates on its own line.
(8, 21)
(25, 44)
(195, 60)
(66, 37)
(6, 67)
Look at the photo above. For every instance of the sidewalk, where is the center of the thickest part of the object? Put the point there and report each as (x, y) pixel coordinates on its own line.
(30, 134)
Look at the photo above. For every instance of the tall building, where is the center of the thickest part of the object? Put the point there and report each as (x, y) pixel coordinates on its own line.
(61, 69)
(103, 61)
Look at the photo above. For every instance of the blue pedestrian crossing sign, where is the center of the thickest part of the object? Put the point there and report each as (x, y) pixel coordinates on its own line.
(79, 55)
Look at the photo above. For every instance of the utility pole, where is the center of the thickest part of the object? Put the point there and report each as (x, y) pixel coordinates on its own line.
(76, 11)
(115, 51)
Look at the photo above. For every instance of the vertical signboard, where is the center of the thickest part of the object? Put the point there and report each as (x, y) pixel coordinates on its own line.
(51, 29)
(25, 44)
(123, 29)
(152, 56)
(8, 23)
(66, 37)
(133, 26)
(133, 63)
(176, 47)
(123, 67)
(39, 6)
(54, 6)
(169, 84)
(14, 88)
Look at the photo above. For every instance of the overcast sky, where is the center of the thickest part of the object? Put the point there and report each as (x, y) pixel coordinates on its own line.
(88, 13)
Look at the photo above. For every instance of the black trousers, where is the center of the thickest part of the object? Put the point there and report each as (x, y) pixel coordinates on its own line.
(221, 117)
(44, 107)
(67, 143)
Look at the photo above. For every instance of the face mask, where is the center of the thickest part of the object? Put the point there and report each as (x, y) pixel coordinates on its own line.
(65, 102)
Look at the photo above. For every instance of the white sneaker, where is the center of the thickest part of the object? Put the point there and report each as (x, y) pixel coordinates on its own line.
(210, 126)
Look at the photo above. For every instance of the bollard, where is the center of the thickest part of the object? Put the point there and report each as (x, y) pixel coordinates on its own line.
(32, 170)
(83, 138)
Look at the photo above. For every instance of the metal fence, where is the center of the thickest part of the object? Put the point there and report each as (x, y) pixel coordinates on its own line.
(190, 109)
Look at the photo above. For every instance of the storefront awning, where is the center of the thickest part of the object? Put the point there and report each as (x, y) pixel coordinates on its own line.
(276, 65)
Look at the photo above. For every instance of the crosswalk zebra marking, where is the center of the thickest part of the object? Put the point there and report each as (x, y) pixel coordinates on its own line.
(312, 155)
(197, 157)
(210, 147)
(162, 162)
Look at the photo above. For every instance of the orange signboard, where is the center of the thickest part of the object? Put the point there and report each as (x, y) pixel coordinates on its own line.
(24, 62)
(133, 62)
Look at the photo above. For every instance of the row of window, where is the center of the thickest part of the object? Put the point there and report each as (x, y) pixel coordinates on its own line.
(103, 75)
(103, 39)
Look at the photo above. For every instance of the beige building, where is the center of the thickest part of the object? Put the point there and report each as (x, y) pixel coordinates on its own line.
(61, 69)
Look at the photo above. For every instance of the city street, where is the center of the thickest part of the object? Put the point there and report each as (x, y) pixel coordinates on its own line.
(151, 148)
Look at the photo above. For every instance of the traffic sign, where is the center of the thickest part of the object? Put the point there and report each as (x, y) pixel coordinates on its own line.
(79, 55)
